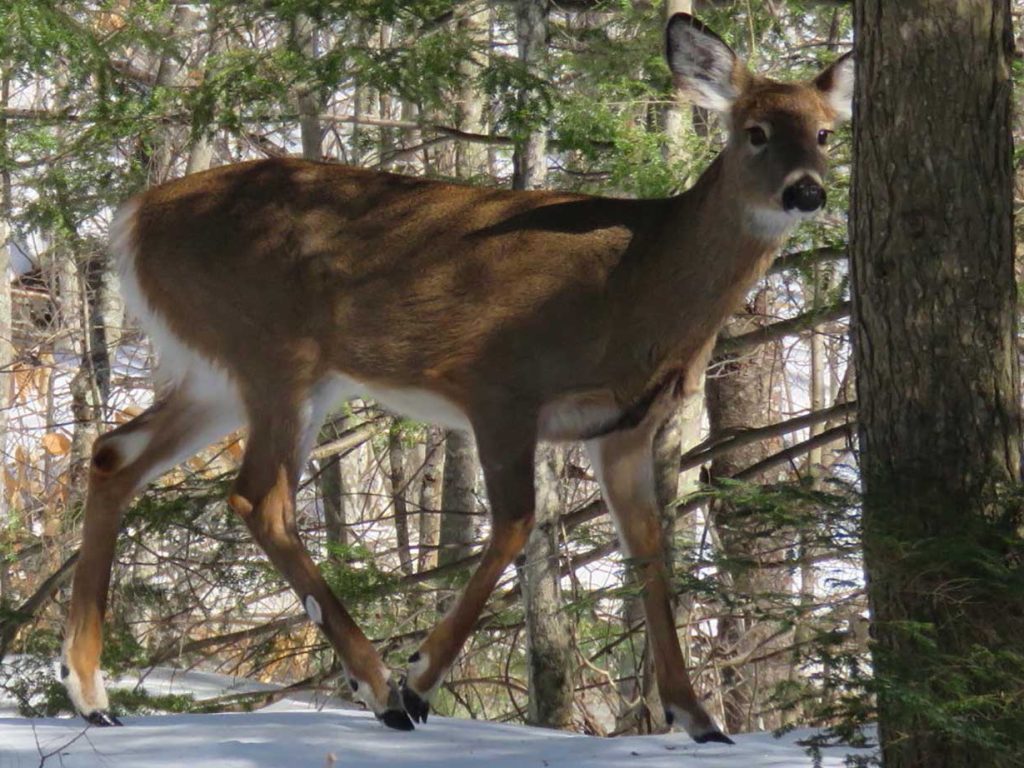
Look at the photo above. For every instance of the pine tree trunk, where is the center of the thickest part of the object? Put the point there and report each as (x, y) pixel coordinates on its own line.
(458, 498)
(471, 157)
(549, 656)
(548, 631)
(741, 396)
(399, 477)
(430, 499)
(937, 379)
(6, 324)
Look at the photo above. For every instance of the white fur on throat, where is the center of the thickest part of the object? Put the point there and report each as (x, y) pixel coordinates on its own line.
(772, 223)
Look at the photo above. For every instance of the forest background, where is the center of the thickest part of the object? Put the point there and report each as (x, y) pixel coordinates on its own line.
(759, 477)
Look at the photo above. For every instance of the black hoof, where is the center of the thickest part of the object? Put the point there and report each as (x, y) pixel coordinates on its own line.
(417, 708)
(713, 736)
(397, 719)
(102, 719)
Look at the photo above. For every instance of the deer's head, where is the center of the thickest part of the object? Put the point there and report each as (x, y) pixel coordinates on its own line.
(778, 132)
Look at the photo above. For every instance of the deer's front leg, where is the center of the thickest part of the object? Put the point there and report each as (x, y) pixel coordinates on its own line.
(624, 464)
(508, 472)
(264, 497)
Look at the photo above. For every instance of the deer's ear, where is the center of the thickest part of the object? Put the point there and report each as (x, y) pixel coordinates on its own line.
(705, 67)
(836, 83)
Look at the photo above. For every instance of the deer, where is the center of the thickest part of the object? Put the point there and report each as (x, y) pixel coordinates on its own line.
(274, 290)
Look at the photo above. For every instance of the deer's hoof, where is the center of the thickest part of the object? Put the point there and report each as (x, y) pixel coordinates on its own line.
(397, 719)
(415, 705)
(713, 736)
(102, 719)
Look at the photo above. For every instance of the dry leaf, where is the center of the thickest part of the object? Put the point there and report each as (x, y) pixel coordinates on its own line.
(56, 444)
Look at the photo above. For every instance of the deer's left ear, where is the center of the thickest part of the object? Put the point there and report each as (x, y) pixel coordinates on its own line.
(836, 83)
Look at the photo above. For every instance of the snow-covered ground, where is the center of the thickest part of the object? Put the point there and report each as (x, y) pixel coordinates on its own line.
(349, 739)
(298, 732)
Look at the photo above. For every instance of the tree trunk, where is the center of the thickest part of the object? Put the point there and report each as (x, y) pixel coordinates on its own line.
(430, 499)
(6, 324)
(548, 630)
(400, 476)
(742, 396)
(529, 159)
(171, 73)
(200, 152)
(458, 498)
(937, 379)
(549, 655)
(471, 157)
(311, 132)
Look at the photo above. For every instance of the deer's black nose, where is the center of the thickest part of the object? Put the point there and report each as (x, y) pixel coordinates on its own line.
(806, 195)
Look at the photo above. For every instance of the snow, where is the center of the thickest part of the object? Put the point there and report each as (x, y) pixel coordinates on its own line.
(308, 731)
(301, 737)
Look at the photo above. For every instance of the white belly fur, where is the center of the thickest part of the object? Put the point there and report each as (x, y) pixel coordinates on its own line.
(418, 404)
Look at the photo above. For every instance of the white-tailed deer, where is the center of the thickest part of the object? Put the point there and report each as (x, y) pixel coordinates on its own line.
(273, 290)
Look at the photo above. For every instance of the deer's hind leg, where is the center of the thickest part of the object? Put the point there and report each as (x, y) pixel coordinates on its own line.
(264, 497)
(123, 460)
(624, 464)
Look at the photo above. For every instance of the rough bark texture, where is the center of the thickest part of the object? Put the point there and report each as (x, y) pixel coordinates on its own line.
(6, 329)
(430, 498)
(471, 158)
(937, 379)
(549, 658)
(529, 161)
(458, 498)
(400, 476)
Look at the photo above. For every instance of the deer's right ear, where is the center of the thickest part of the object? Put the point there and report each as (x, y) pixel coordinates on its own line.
(705, 67)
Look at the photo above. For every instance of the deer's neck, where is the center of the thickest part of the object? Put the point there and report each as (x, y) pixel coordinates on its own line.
(703, 257)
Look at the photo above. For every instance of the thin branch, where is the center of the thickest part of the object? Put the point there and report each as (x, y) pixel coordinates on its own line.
(27, 610)
(724, 442)
(731, 345)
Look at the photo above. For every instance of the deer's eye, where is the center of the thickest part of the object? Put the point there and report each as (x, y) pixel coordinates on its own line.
(823, 135)
(757, 136)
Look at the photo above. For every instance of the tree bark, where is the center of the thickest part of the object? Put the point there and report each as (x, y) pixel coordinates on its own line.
(6, 317)
(548, 630)
(937, 379)
(471, 157)
(399, 476)
(742, 396)
(458, 502)
(549, 655)
(430, 499)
